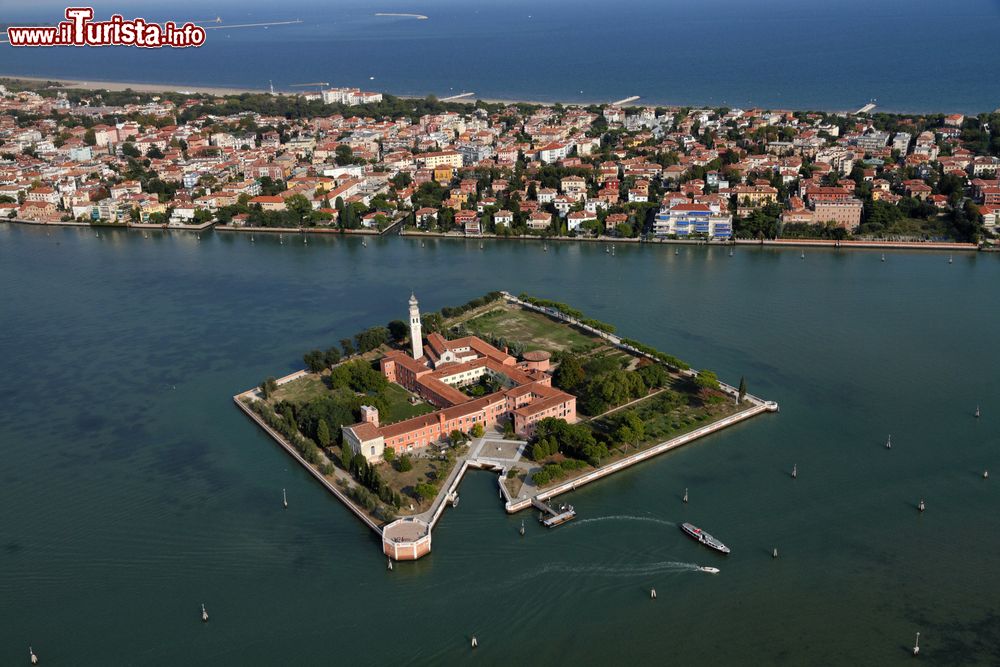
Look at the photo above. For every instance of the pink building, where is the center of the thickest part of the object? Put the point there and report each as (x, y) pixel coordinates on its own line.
(526, 397)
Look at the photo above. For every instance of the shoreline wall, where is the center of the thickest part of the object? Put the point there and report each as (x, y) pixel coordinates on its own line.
(951, 246)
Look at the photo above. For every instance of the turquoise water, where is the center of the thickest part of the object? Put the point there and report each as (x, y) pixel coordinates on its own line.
(132, 490)
(911, 55)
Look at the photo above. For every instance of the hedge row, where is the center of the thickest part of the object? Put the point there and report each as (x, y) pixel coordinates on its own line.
(568, 311)
(668, 359)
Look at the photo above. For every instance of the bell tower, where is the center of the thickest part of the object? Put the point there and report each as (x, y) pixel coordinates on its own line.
(416, 338)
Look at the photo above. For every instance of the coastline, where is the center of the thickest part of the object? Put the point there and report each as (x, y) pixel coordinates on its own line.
(136, 86)
(771, 243)
(146, 87)
(153, 87)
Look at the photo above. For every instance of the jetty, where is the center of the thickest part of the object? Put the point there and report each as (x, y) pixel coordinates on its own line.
(452, 98)
(626, 100)
(555, 517)
(251, 25)
(419, 17)
(865, 109)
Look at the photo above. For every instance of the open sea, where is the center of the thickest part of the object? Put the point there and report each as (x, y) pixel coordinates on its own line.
(132, 490)
(908, 55)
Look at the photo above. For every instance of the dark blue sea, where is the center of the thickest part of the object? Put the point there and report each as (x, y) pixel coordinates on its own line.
(909, 55)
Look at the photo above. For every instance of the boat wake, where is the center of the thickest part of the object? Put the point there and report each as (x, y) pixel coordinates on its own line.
(624, 517)
(662, 567)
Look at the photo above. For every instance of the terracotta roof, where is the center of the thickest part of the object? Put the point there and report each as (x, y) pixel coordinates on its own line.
(365, 431)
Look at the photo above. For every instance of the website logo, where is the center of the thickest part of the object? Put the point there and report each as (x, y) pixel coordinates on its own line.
(79, 29)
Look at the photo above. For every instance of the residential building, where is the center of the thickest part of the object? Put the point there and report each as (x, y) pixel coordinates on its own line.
(691, 219)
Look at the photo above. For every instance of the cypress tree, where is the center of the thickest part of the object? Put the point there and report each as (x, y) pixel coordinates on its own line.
(323, 433)
(743, 389)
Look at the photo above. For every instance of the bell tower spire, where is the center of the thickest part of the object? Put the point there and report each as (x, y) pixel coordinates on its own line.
(416, 338)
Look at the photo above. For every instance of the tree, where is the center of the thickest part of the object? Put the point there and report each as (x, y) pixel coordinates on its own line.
(323, 434)
(404, 464)
(288, 415)
(477, 430)
(706, 379)
(331, 356)
(90, 137)
(426, 490)
(654, 375)
(398, 330)
(154, 153)
(346, 455)
(347, 346)
(267, 387)
(129, 150)
(569, 375)
(315, 361)
(743, 389)
(631, 430)
(388, 454)
(431, 322)
(344, 155)
(544, 447)
(299, 206)
(371, 338)
(401, 180)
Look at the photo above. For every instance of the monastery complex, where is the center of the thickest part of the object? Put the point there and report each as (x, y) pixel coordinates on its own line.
(437, 370)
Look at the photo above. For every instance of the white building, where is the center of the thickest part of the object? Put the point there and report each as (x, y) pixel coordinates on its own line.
(693, 219)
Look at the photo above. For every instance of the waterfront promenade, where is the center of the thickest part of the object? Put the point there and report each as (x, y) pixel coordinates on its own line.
(610, 240)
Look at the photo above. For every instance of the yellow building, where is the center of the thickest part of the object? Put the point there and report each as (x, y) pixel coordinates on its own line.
(150, 208)
(440, 158)
(444, 174)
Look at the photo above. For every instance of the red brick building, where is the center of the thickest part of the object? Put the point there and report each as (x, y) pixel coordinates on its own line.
(526, 395)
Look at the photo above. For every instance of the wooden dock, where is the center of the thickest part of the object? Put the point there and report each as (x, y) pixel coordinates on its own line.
(556, 517)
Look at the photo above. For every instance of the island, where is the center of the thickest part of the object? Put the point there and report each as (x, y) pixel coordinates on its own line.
(389, 421)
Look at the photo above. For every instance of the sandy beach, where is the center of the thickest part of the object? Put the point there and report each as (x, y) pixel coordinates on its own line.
(138, 87)
(220, 90)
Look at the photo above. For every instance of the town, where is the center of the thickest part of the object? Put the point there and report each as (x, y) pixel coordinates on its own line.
(342, 159)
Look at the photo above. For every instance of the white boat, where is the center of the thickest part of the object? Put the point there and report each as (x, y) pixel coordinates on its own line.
(710, 570)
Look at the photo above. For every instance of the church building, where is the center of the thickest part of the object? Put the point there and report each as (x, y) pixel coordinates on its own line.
(437, 370)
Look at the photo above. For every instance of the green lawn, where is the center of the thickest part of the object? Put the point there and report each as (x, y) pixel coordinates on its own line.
(534, 330)
(669, 414)
(430, 467)
(301, 390)
(313, 386)
(399, 406)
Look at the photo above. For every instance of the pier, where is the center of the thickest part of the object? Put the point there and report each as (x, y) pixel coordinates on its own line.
(224, 26)
(865, 109)
(626, 100)
(452, 98)
(419, 17)
(557, 517)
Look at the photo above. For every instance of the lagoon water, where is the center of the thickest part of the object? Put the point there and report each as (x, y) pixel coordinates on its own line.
(911, 55)
(132, 490)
